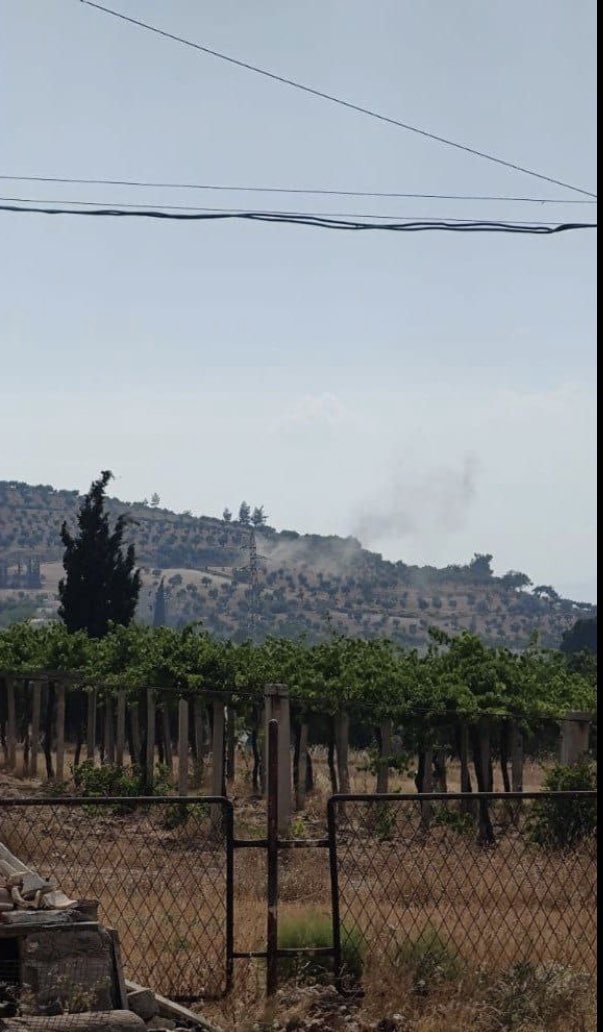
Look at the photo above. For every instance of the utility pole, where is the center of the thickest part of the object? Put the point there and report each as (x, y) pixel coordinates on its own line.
(253, 583)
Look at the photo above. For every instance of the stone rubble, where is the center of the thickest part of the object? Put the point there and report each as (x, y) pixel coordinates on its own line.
(314, 1009)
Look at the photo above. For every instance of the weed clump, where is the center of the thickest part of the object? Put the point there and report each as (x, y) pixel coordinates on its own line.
(560, 823)
(427, 959)
(314, 930)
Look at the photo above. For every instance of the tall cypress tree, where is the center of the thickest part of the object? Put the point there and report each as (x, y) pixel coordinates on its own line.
(160, 611)
(102, 583)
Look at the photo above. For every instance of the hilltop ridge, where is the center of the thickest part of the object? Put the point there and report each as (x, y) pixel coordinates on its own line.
(242, 581)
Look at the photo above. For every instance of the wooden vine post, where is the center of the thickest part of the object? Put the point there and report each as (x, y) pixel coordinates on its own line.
(230, 744)
(217, 771)
(427, 786)
(385, 751)
(120, 739)
(182, 747)
(109, 732)
(91, 721)
(342, 746)
(149, 768)
(166, 736)
(516, 758)
(136, 759)
(36, 710)
(198, 739)
(575, 735)
(11, 723)
(302, 768)
(60, 731)
(217, 777)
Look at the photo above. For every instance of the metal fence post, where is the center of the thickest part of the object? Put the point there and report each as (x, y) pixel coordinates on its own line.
(272, 861)
(334, 872)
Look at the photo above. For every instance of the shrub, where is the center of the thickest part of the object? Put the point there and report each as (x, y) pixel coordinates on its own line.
(110, 780)
(428, 959)
(560, 823)
(457, 820)
(382, 822)
(107, 780)
(534, 997)
(180, 814)
(314, 930)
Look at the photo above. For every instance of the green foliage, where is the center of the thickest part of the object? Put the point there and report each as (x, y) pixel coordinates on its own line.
(582, 637)
(459, 678)
(160, 606)
(101, 585)
(457, 820)
(514, 580)
(383, 822)
(314, 930)
(560, 823)
(258, 516)
(480, 567)
(185, 815)
(244, 514)
(428, 959)
(107, 780)
(110, 780)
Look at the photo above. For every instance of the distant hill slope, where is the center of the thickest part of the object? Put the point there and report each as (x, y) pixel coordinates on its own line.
(303, 584)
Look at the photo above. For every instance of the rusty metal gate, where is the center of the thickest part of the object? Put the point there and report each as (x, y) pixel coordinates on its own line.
(467, 879)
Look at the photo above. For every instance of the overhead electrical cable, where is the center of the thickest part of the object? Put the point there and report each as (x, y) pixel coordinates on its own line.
(317, 221)
(388, 194)
(339, 100)
(372, 216)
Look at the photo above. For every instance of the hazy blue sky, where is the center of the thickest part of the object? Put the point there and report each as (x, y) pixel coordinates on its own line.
(434, 394)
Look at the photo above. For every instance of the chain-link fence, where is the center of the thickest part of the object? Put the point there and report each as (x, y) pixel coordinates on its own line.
(433, 889)
(160, 869)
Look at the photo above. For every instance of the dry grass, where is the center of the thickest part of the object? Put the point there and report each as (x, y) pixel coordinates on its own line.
(162, 887)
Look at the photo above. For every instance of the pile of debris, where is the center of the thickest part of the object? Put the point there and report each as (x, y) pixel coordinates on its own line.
(323, 1009)
(61, 970)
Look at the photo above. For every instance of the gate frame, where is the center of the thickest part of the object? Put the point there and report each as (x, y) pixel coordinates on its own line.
(273, 844)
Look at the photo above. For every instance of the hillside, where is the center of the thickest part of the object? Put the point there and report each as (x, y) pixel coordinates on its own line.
(302, 584)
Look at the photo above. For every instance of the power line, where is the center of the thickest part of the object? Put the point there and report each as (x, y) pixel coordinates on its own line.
(72, 181)
(338, 100)
(320, 222)
(261, 211)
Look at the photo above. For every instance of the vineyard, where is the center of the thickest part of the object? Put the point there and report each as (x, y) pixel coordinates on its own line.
(460, 699)
(445, 903)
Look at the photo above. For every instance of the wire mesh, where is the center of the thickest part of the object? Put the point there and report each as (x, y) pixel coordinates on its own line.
(158, 869)
(434, 889)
